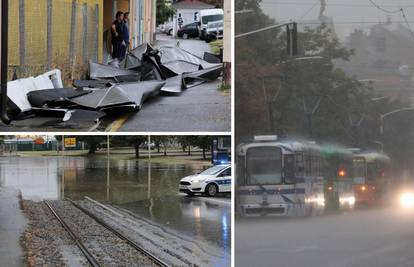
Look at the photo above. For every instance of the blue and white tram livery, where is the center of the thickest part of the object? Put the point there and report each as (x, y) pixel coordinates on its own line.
(280, 178)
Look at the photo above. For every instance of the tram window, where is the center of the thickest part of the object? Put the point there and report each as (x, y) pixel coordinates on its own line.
(264, 165)
(289, 169)
(300, 167)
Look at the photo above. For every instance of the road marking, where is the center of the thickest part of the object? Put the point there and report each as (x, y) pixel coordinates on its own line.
(117, 124)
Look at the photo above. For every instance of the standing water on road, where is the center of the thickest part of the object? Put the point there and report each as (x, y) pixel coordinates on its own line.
(147, 190)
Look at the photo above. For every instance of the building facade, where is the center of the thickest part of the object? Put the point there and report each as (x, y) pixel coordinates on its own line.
(67, 34)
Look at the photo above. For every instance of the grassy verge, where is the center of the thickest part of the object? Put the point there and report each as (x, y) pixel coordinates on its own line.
(216, 46)
(176, 159)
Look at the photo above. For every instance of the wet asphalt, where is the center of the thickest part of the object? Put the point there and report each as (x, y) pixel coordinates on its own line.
(371, 237)
(204, 108)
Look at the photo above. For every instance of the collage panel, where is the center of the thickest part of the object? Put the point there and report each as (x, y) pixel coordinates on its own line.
(116, 66)
(116, 200)
(324, 133)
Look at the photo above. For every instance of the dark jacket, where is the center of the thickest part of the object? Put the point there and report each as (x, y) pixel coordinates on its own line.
(119, 30)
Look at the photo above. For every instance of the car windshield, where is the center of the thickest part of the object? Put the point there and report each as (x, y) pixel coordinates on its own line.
(216, 24)
(264, 165)
(213, 170)
(207, 19)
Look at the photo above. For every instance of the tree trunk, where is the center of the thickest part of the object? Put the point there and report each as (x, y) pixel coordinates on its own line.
(137, 151)
(189, 150)
(92, 149)
(204, 153)
(165, 150)
(158, 148)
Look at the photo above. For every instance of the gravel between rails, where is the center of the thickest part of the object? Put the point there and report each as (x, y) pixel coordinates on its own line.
(45, 242)
(168, 247)
(108, 249)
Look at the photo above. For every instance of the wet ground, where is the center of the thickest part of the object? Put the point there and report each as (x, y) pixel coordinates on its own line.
(204, 108)
(146, 190)
(12, 225)
(381, 237)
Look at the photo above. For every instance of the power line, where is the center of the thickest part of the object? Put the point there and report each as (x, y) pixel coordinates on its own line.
(385, 10)
(406, 22)
(309, 10)
(328, 4)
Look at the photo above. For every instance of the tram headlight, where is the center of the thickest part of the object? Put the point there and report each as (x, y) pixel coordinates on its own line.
(407, 200)
(350, 201)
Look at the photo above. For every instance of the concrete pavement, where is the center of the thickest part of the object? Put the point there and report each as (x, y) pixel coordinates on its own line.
(12, 225)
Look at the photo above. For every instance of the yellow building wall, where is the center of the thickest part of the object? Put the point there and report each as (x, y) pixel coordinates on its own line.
(35, 36)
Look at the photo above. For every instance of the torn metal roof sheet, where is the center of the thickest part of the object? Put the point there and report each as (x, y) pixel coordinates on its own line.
(139, 92)
(53, 97)
(100, 71)
(206, 75)
(101, 98)
(173, 85)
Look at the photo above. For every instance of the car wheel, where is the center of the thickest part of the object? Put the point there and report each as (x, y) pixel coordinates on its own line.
(211, 190)
(209, 38)
(170, 32)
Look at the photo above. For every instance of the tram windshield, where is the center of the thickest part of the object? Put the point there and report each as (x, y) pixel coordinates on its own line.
(264, 166)
(359, 168)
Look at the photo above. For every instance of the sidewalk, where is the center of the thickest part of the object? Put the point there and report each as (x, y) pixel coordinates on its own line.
(12, 224)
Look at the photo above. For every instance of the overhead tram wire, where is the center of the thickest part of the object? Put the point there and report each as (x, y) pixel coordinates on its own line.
(309, 10)
(406, 22)
(385, 10)
(328, 4)
(401, 10)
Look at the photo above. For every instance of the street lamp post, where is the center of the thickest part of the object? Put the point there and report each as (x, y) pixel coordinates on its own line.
(385, 115)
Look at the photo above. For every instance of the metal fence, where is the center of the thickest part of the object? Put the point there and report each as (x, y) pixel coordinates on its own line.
(48, 34)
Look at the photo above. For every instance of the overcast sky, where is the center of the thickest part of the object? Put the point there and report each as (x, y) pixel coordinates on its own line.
(348, 14)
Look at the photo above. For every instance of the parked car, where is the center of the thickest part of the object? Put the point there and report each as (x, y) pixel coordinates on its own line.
(206, 16)
(214, 31)
(167, 27)
(216, 179)
(189, 30)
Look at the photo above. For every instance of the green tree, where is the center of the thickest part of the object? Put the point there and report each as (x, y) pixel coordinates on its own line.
(163, 141)
(129, 140)
(204, 142)
(164, 12)
(187, 141)
(93, 142)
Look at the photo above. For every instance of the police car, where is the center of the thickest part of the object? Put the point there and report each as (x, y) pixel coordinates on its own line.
(216, 179)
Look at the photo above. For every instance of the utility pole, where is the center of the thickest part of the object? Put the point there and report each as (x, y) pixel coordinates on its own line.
(4, 17)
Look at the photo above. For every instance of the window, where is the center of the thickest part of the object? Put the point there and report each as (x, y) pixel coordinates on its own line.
(226, 172)
(264, 165)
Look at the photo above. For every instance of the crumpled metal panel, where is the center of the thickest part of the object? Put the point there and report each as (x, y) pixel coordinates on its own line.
(53, 97)
(101, 98)
(170, 54)
(139, 92)
(173, 86)
(100, 71)
(206, 75)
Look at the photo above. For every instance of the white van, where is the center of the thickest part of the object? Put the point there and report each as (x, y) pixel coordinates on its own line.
(208, 15)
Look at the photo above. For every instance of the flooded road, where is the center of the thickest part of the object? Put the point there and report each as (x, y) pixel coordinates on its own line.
(146, 190)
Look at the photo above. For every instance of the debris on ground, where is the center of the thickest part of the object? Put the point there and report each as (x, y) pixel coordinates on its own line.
(114, 88)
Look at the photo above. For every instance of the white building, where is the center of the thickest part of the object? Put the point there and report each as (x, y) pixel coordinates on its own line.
(188, 10)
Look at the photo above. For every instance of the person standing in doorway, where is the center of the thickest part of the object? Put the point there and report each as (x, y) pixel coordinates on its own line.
(125, 35)
(117, 36)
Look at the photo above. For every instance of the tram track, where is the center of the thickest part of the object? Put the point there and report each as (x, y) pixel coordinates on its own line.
(87, 245)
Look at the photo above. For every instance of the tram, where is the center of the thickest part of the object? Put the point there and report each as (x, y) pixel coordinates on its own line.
(280, 178)
(371, 178)
(338, 188)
